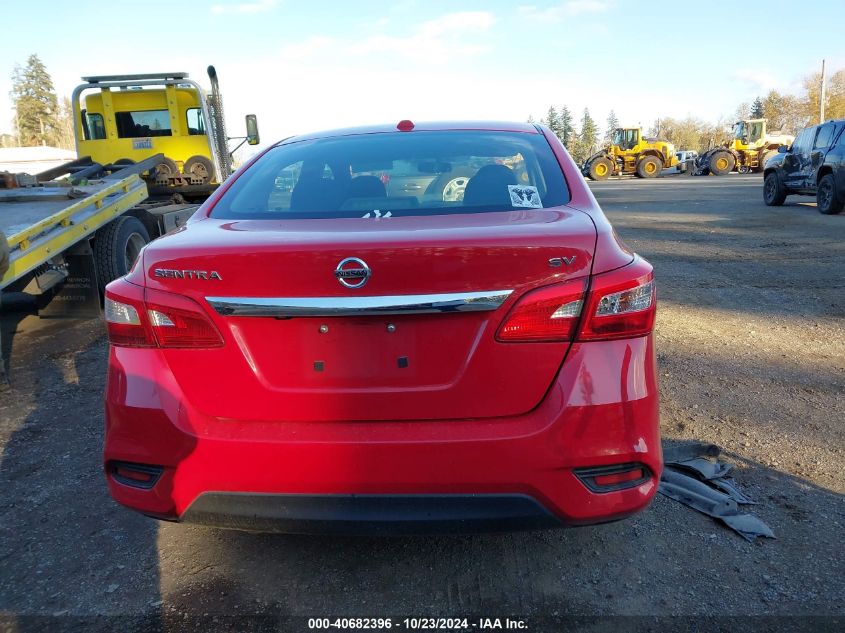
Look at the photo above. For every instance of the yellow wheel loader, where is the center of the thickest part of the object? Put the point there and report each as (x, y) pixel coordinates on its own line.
(630, 153)
(747, 151)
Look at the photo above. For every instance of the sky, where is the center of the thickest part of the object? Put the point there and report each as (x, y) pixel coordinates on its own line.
(307, 66)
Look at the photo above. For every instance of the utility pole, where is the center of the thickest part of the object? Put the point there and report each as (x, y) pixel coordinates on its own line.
(821, 98)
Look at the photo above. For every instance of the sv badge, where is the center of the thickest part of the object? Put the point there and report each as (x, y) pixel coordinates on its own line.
(557, 262)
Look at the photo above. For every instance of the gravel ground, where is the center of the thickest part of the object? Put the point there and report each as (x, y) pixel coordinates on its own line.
(751, 357)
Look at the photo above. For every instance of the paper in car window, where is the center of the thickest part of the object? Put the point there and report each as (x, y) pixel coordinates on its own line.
(525, 197)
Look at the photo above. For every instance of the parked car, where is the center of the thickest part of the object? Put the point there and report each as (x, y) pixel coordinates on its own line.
(814, 165)
(364, 357)
(685, 155)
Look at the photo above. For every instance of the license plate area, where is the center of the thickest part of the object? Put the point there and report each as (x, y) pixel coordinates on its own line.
(365, 353)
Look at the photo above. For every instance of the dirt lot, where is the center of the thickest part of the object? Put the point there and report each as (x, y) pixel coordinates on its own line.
(751, 357)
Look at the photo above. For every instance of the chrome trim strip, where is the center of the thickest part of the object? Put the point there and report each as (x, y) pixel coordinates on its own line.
(359, 306)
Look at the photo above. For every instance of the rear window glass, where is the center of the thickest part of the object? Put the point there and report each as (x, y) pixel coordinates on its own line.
(399, 174)
(143, 123)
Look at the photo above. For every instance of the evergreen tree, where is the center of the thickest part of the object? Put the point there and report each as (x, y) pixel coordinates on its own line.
(612, 124)
(589, 133)
(552, 120)
(36, 105)
(757, 109)
(567, 130)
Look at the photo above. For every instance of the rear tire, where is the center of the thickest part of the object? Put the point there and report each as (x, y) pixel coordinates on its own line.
(166, 170)
(826, 198)
(649, 167)
(198, 170)
(721, 163)
(117, 247)
(600, 169)
(450, 187)
(774, 193)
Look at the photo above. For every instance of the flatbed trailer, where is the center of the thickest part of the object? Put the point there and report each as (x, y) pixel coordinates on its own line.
(72, 236)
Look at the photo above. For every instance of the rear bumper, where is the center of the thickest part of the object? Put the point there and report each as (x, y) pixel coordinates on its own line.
(368, 514)
(492, 473)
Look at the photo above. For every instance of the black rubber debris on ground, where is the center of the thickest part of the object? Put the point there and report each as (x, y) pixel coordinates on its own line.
(700, 483)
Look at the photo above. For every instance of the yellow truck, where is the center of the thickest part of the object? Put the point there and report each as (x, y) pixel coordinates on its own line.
(151, 148)
(631, 153)
(750, 146)
(123, 119)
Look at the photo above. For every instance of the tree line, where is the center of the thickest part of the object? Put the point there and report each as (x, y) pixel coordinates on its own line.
(41, 118)
(581, 142)
(789, 113)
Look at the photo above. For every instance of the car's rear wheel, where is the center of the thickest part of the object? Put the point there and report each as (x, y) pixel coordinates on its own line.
(774, 193)
(649, 167)
(600, 169)
(450, 187)
(826, 198)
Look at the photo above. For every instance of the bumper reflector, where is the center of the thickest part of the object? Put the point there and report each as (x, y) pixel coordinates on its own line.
(611, 478)
(136, 475)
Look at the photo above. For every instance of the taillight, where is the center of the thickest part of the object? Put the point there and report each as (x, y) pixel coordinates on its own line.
(548, 314)
(621, 303)
(124, 314)
(153, 318)
(178, 321)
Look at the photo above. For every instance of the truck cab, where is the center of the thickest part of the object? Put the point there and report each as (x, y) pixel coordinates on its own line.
(131, 123)
(124, 119)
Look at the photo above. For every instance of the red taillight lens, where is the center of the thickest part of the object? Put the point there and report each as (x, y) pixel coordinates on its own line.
(548, 314)
(153, 318)
(178, 321)
(124, 314)
(621, 303)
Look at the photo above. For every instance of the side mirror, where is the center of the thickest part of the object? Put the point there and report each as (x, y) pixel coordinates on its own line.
(252, 129)
(782, 149)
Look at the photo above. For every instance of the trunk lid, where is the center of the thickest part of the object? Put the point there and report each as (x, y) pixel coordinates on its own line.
(353, 365)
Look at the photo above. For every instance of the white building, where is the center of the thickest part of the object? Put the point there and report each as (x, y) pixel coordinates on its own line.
(33, 160)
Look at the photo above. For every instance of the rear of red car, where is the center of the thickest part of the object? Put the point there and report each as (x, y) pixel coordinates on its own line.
(322, 350)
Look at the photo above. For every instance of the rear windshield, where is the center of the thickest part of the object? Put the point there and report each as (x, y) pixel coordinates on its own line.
(398, 174)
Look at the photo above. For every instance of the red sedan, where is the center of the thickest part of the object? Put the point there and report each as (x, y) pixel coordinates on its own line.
(405, 328)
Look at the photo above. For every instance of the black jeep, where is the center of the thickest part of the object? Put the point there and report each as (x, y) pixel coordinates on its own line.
(813, 166)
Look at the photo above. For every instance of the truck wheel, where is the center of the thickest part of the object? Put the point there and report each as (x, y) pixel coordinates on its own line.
(166, 170)
(600, 169)
(721, 163)
(117, 246)
(826, 199)
(649, 167)
(199, 170)
(774, 193)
